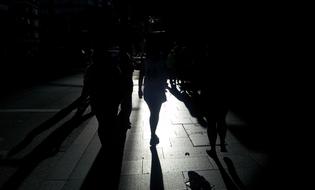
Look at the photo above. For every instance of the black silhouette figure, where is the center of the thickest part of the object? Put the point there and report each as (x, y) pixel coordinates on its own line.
(127, 68)
(104, 84)
(214, 101)
(154, 76)
(215, 114)
(106, 87)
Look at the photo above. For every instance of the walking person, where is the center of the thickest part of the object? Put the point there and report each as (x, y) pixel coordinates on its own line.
(105, 86)
(211, 76)
(153, 77)
(216, 112)
(127, 68)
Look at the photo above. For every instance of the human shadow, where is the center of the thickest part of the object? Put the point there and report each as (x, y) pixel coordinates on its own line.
(233, 173)
(156, 180)
(47, 148)
(108, 160)
(105, 162)
(82, 103)
(96, 173)
(230, 185)
(191, 101)
(110, 157)
(197, 182)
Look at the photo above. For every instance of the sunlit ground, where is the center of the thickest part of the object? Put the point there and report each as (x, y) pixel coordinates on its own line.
(182, 148)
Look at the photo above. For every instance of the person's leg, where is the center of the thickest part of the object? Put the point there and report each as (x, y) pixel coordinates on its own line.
(107, 123)
(126, 105)
(112, 136)
(103, 131)
(110, 155)
(222, 129)
(117, 156)
(126, 108)
(154, 119)
(212, 135)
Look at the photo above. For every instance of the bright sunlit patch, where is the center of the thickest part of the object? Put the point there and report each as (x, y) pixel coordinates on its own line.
(137, 146)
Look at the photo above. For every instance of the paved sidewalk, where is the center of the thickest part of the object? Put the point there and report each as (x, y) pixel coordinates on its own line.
(23, 113)
(182, 148)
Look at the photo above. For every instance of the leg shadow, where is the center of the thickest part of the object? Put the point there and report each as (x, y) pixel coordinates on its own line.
(47, 148)
(80, 102)
(230, 185)
(191, 102)
(106, 169)
(156, 180)
(233, 173)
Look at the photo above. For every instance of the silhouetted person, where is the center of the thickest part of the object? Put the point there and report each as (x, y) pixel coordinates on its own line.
(105, 85)
(214, 102)
(127, 68)
(216, 111)
(154, 75)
